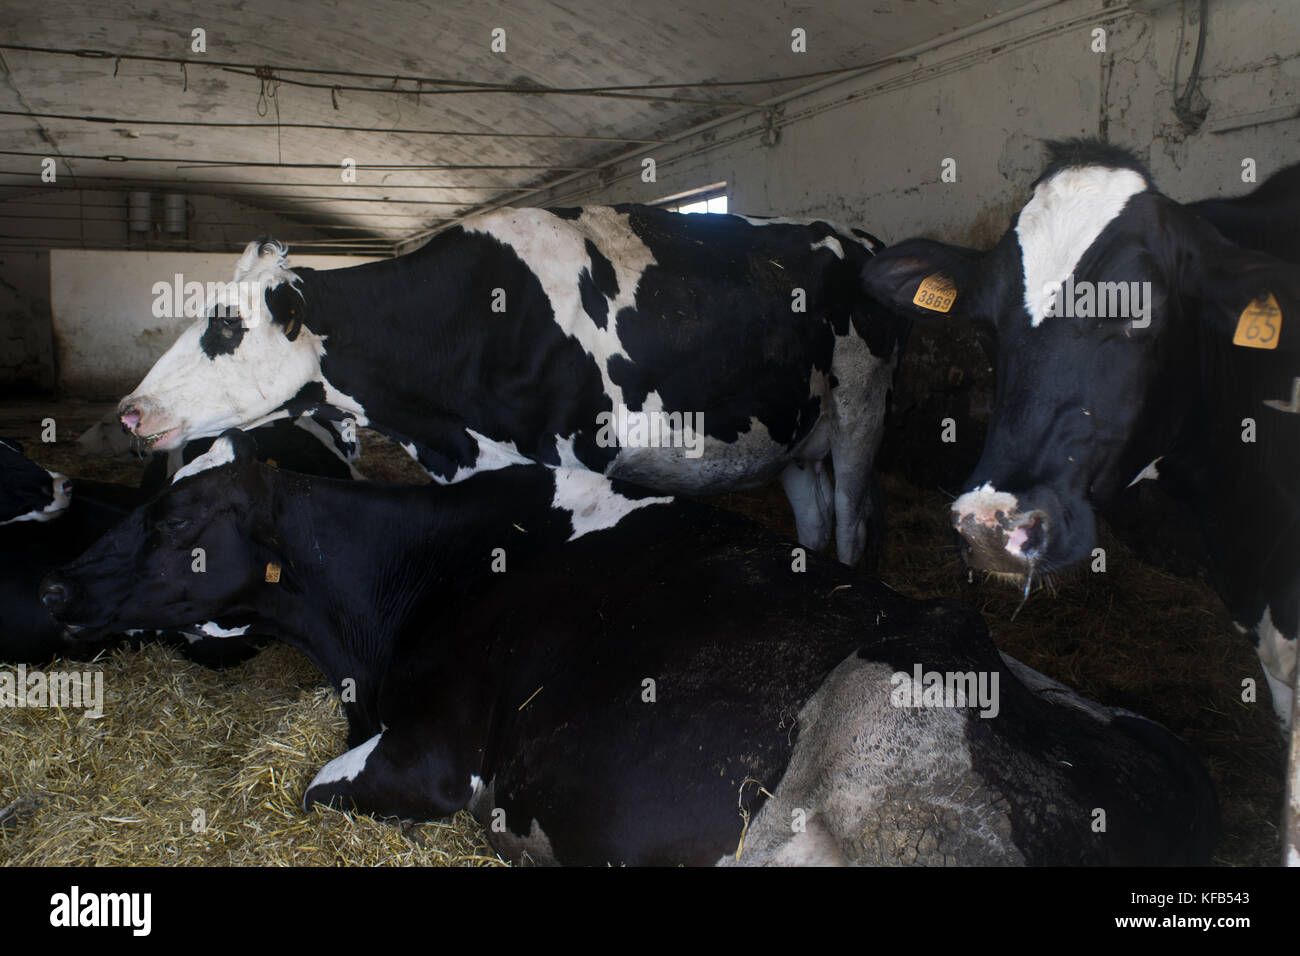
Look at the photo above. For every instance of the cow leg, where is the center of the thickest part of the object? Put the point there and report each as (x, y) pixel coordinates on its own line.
(858, 404)
(1277, 653)
(808, 486)
(1291, 806)
(411, 776)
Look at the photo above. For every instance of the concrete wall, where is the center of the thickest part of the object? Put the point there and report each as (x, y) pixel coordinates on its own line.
(97, 218)
(26, 348)
(868, 151)
(106, 335)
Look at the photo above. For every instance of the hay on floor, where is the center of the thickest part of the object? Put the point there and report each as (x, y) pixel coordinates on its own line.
(189, 766)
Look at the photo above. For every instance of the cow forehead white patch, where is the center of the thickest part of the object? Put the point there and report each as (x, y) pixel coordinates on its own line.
(592, 502)
(554, 249)
(1063, 218)
(221, 453)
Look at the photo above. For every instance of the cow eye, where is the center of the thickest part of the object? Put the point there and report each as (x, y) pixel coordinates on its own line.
(176, 524)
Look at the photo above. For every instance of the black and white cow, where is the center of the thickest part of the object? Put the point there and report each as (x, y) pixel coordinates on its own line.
(1134, 341)
(698, 702)
(688, 353)
(55, 522)
(27, 491)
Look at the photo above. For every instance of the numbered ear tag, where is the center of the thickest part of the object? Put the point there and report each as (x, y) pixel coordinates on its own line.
(272, 573)
(1260, 324)
(936, 293)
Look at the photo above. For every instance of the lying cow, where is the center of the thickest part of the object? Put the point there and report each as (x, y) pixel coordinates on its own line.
(689, 353)
(699, 702)
(1134, 342)
(27, 491)
(53, 522)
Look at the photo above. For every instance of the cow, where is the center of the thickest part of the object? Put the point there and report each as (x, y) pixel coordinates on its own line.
(27, 491)
(603, 675)
(53, 523)
(690, 353)
(1134, 342)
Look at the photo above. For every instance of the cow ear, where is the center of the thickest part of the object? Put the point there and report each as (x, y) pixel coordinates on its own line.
(288, 308)
(1249, 298)
(922, 277)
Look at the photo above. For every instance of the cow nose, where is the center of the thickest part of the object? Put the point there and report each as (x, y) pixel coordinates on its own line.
(55, 595)
(129, 416)
(997, 535)
(66, 486)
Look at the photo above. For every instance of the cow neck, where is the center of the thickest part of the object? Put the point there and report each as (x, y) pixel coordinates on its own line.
(384, 328)
(379, 562)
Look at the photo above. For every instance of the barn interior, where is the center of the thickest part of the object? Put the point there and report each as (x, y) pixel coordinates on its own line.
(145, 141)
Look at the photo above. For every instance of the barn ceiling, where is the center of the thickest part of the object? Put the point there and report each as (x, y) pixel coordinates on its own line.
(438, 123)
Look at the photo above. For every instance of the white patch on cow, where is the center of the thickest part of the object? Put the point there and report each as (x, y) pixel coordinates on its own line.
(1062, 220)
(221, 453)
(554, 251)
(1149, 472)
(475, 784)
(754, 458)
(492, 456)
(591, 501)
(213, 629)
(347, 767)
(1277, 654)
(61, 499)
(841, 231)
(188, 394)
(831, 243)
(984, 503)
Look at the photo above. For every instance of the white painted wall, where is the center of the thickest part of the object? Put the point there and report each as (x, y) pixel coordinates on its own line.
(867, 151)
(106, 335)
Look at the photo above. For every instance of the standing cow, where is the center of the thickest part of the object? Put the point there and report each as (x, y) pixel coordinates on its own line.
(688, 353)
(1135, 342)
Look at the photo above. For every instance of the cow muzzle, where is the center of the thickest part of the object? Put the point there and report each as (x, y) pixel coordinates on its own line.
(996, 534)
(140, 420)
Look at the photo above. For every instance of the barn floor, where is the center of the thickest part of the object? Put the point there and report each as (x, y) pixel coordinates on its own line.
(179, 746)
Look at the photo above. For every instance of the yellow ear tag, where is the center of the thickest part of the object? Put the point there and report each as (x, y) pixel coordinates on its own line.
(272, 573)
(1260, 324)
(272, 462)
(936, 293)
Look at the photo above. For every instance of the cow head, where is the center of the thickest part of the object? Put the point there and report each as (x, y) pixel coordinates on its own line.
(27, 491)
(1102, 302)
(236, 365)
(198, 551)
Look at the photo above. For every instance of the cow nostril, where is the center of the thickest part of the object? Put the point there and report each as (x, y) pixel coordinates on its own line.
(66, 486)
(1029, 539)
(54, 596)
(129, 416)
